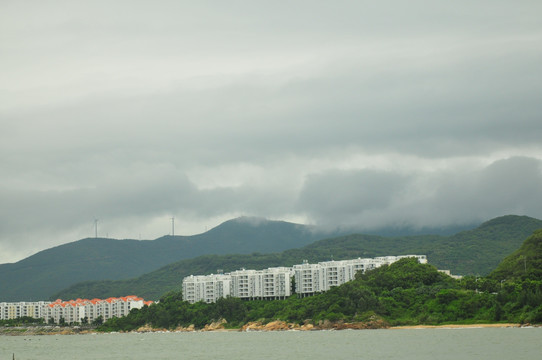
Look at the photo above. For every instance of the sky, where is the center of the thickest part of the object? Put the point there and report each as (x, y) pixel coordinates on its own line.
(352, 114)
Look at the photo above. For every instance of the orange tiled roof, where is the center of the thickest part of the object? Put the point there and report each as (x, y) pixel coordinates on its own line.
(82, 302)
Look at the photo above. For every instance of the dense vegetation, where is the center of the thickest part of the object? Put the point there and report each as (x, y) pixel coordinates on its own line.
(474, 252)
(405, 292)
(22, 321)
(524, 263)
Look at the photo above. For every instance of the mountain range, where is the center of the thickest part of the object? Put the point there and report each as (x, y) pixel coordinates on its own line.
(98, 267)
(475, 252)
(46, 272)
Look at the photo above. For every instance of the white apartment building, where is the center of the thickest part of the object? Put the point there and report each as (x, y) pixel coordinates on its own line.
(309, 278)
(245, 284)
(314, 278)
(13, 310)
(208, 288)
(275, 283)
(387, 260)
(272, 283)
(73, 310)
(76, 310)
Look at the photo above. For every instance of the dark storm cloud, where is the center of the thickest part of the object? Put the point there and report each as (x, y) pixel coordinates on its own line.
(453, 109)
(344, 196)
(31, 210)
(340, 113)
(508, 186)
(372, 199)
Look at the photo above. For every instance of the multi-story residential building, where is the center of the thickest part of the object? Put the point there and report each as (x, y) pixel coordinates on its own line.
(72, 311)
(89, 310)
(272, 283)
(208, 288)
(314, 278)
(14, 310)
(275, 283)
(245, 284)
(309, 278)
(387, 260)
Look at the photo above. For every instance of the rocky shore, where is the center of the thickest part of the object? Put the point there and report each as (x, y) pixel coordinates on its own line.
(276, 326)
(250, 326)
(45, 330)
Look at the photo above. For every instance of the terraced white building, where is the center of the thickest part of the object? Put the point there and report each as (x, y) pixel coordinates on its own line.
(314, 278)
(276, 283)
(207, 288)
(272, 283)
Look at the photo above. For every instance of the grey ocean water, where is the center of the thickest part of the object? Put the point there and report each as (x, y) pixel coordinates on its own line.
(419, 344)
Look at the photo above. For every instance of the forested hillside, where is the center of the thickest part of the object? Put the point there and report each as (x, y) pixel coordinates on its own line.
(475, 252)
(525, 263)
(39, 276)
(479, 251)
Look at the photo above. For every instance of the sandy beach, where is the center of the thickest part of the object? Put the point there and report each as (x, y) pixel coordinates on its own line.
(457, 326)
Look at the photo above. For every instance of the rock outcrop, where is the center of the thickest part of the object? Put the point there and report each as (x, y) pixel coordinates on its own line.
(214, 326)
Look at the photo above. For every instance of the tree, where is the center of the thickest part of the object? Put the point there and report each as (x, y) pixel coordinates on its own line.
(98, 321)
(230, 308)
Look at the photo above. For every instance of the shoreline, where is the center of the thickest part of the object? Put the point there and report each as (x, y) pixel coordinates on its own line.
(461, 326)
(37, 331)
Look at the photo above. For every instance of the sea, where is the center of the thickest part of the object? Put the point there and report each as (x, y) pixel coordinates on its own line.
(418, 344)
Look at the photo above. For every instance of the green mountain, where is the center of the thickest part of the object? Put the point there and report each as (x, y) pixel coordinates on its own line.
(47, 272)
(523, 264)
(479, 251)
(476, 251)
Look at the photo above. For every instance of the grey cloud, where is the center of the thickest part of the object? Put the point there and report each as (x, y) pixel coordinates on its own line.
(508, 186)
(368, 200)
(107, 108)
(345, 197)
(123, 200)
(29, 210)
(466, 109)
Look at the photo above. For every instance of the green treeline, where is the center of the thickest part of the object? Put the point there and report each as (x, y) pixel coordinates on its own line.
(22, 321)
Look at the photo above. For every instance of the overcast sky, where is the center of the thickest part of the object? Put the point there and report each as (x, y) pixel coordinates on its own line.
(334, 113)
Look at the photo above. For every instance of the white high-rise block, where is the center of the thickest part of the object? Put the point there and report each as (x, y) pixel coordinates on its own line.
(275, 283)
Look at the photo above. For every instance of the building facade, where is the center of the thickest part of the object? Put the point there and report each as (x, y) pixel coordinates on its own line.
(73, 311)
(272, 283)
(276, 283)
(309, 278)
(207, 288)
(314, 278)
(13, 310)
